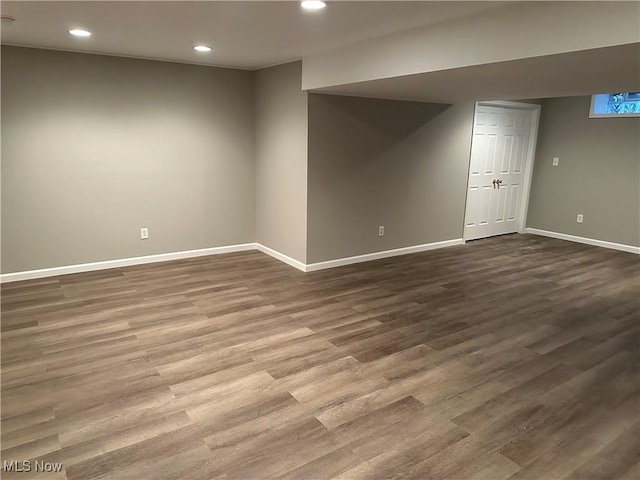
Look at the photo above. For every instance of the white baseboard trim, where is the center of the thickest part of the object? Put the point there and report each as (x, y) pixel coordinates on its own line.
(123, 262)
(587, 241)
(384, 254)
(282, 257)
(165, 257)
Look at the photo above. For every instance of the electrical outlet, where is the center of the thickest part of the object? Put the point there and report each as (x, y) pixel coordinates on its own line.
(381, 231)
(556, 161)
(580, 218)
(144, 233)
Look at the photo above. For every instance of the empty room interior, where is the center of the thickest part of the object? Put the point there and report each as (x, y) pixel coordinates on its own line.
(320, 240)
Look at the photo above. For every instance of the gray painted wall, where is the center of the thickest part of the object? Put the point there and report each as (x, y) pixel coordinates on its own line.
(382, 162)
(598, 174)
(281, 160)
(95, 147)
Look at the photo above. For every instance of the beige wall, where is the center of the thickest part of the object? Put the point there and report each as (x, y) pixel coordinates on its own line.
(95, 147)
(598, 174)
(382, 162)
(281, 160)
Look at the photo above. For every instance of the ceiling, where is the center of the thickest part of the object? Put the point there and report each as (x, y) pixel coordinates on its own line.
(247, 35)
(610, 69)
(252, 35)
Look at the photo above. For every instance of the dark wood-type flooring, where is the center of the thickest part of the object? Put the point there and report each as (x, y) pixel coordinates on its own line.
(514, 357)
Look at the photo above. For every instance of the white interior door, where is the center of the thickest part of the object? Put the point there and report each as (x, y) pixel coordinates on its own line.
(499, 152)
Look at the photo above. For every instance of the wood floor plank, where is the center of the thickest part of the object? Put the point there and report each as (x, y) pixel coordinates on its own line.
(614, 459)
(509, 357)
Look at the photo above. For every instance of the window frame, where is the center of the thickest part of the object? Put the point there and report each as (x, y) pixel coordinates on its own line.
(592, 114)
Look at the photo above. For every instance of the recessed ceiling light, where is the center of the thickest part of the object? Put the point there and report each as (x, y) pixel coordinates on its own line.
(202, 48)
(313, 5)
(78, 32)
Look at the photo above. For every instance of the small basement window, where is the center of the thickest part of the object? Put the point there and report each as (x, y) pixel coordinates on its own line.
(608, 105)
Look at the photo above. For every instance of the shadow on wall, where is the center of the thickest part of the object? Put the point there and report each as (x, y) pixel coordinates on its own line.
(406, 118)
(375, 162)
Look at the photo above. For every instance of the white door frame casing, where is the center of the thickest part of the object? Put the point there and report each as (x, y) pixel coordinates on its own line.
(534, 111)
